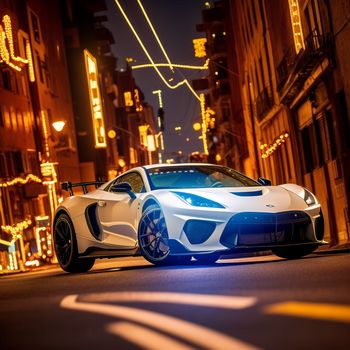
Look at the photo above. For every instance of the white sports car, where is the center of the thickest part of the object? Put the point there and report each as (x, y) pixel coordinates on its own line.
(173, 213)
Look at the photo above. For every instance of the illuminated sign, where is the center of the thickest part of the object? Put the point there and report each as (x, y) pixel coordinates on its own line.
(95, 100)
(296, 25)
(199, 47)
(7, 50)
(204, 123)
(138, 105)
(128, 99)
(151, 147)
(143, 134)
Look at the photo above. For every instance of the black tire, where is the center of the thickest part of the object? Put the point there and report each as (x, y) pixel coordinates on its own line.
(153, 237)
(294, 252)
(66, 247)
(204, 259)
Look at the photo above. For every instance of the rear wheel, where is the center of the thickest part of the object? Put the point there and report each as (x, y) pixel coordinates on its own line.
(207, 258)
(294, 252)
(153, 237)
(66, 247)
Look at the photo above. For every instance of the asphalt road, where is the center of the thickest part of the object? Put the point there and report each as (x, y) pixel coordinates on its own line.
(259, 302)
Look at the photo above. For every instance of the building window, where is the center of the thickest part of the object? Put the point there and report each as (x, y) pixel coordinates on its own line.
(262, 72)
(20, 120)
(47, 73)
(6, 79)
(307, 144)
(344, 116)
(35, 26)
(3, 170)
(312, 16)
(18, 162)
(39, 64)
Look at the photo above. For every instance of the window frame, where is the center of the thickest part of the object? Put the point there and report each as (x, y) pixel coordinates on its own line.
(116, 181)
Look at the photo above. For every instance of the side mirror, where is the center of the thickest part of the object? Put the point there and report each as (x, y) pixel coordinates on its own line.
(123, 187)
(264, 182)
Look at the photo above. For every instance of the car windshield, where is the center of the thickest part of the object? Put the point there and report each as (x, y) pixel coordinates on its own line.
(199, 176)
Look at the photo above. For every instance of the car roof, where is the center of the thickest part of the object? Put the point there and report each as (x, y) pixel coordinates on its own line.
(152, 166)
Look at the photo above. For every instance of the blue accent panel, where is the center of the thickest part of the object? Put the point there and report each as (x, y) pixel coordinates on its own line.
(248, 194)
(198, 231)
(92, 221)
(251, 229)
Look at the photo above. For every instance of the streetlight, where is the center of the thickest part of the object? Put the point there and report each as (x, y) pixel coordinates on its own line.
(59, 125)
(197, 126)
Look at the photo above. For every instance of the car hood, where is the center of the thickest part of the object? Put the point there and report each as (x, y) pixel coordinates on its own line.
(259, 198)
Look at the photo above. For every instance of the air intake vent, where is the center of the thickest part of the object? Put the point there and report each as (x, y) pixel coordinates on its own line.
(248, 194)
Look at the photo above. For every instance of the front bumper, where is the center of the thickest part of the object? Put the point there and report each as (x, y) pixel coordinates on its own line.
(248, 231)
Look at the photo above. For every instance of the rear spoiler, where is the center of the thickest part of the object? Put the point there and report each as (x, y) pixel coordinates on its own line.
(68, 186)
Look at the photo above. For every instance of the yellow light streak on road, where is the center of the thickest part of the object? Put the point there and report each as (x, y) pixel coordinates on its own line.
(155, 35)
(328, 312)
(183, 82)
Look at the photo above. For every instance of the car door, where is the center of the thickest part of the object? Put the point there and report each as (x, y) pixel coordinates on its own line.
(118, 212)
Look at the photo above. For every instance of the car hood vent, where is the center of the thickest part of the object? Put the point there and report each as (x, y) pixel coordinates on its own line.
(248, 193)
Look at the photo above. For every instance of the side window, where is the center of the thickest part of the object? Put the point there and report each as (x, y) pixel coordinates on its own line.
(135, 181)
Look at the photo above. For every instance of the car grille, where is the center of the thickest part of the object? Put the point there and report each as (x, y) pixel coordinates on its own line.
(264, 229)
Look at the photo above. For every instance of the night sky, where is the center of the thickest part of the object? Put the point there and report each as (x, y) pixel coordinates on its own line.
(175, 23)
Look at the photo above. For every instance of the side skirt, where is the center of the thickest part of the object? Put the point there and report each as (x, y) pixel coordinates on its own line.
(99, 253)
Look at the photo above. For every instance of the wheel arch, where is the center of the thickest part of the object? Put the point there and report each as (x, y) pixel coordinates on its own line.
(150, 201)
(57, 214)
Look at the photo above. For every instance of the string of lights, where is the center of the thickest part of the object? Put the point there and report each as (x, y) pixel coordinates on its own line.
(20, 180)
(267, 150)
(184, 66)
(173, 87)
(155, 35)
(204, 123)
(7, 51)
(16, 228)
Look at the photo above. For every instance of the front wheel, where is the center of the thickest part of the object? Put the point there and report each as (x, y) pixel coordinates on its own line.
(66, 247)
(153, 237)
(294, 252)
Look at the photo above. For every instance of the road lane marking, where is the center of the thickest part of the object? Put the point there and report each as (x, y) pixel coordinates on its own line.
(329, 312)
(207, 300)
(196, 334)
(144, 337)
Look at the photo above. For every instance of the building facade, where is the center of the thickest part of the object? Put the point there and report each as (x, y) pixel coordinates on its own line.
(226, 129)
(108, 106)
(34, 94)
(294, 82)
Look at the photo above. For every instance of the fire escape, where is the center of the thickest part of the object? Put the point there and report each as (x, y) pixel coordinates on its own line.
(294, 69)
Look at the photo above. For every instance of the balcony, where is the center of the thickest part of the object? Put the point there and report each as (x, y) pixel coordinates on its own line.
(263, 102)
(294, 68)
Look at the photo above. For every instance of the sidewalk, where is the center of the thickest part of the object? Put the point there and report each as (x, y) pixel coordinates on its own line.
(28, 269)
(338, 248)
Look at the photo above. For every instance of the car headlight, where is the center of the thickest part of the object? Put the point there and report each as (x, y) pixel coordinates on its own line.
(198, 201)
(309, 198)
